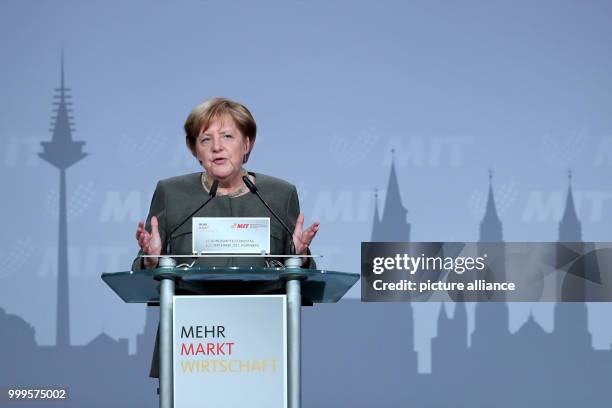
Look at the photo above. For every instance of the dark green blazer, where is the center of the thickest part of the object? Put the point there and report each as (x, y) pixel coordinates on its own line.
(175, 198)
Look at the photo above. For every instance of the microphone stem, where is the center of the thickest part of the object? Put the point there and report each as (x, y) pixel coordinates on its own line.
(253, 189)
(212, 193)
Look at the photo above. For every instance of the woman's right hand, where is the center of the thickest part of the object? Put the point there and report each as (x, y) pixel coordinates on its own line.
(150, 243)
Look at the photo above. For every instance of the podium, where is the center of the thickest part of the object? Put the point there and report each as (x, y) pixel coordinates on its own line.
(302, 287)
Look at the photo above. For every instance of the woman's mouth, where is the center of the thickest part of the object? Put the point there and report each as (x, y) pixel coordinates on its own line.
(219, 161)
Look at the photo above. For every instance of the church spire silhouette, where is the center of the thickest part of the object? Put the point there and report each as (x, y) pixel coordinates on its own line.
(393, 201)
(571, 317)
(62, 152)
(491, 227)
(491, 319)
(392, 225)
(570, 228)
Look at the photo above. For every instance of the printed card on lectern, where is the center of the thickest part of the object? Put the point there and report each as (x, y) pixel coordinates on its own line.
(231, 235)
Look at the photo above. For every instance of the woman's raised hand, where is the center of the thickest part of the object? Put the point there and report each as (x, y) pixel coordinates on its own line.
(303, 237)
(150, 243)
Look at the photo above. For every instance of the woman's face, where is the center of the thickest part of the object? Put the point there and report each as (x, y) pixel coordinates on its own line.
(221, 149)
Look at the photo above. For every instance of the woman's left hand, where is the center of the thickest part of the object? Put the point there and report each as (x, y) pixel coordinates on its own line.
(303, 237)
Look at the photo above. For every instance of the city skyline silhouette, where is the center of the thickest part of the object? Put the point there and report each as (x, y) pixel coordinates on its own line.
(380, 335)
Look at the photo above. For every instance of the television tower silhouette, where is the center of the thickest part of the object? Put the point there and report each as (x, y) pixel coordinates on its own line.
(62, 152)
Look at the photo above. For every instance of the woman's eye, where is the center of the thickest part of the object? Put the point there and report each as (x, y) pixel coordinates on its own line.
(205, 140)
(227, 136)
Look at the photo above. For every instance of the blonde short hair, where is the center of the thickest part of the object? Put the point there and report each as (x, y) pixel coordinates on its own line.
(202, 115)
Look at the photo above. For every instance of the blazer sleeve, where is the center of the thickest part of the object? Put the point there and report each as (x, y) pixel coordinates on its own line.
(158, 209)
(293, 210)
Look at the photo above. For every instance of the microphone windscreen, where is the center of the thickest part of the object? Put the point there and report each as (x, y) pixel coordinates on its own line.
(213, 188)
(249, 183)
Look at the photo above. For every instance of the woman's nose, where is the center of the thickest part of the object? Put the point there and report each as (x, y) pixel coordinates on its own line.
(216, 144)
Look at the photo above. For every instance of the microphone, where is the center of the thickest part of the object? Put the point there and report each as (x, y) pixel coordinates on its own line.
(253, 188)
(212, 193)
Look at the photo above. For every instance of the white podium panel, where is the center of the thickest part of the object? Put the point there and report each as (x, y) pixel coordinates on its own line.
(230, 351)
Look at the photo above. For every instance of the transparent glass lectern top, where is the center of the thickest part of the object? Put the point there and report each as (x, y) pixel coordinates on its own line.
(318, 286)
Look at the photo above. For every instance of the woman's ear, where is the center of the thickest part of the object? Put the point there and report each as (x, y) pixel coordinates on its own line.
(247, 149)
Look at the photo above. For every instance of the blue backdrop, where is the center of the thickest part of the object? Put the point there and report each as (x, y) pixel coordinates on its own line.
(341, 91)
